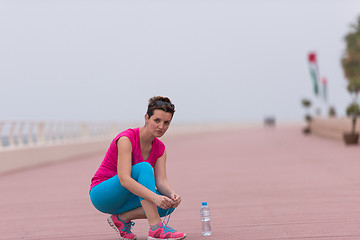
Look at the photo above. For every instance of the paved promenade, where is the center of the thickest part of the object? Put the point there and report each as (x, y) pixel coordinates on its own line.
(266, 184)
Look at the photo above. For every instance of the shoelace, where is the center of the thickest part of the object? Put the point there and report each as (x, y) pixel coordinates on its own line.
(165, 225)
(127, 226)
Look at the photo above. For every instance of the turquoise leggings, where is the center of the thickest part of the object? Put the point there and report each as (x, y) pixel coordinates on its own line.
(110, 197)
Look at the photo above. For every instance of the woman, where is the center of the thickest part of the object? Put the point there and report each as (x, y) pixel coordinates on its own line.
(131, 181)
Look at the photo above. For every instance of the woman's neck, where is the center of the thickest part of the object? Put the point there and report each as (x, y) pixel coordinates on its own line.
(145, 137)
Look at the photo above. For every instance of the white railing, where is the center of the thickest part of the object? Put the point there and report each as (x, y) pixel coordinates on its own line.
(20, 134)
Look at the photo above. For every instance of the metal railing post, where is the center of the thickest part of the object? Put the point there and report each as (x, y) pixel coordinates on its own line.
(84, 130)
(49, 134)
(30, 134)
(57, 132)
(40, 133)
(20, 140)
(1, 142)
(11, 134)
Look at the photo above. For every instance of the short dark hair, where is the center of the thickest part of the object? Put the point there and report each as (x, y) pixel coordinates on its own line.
(162, 103)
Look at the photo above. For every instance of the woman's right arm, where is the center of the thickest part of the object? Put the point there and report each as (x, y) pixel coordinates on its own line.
(124, 172)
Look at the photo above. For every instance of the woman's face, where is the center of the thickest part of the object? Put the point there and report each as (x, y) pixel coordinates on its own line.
(159, 122)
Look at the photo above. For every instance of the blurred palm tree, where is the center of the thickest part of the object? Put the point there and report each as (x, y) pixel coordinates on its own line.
(307, 104)
(351, 59)
(351, 66)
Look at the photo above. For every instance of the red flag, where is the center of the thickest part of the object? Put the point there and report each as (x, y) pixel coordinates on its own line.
(312, 57)
(314, 71)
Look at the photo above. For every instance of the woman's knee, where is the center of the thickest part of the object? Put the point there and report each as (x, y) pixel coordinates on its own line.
(142, 168)
(142, 165)
(143, 173)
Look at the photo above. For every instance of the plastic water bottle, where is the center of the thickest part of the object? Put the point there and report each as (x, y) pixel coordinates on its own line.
(205, 219)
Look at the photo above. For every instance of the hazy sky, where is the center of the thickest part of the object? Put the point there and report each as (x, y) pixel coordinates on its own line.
(217, 60)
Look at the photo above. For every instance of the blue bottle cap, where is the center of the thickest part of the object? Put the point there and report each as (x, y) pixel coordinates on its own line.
(204, 203)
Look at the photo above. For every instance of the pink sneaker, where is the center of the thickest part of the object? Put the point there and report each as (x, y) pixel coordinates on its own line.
(122, 228)
(165, 232)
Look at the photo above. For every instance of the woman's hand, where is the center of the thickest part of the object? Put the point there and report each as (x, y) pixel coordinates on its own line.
(176, 198)
(163, 202)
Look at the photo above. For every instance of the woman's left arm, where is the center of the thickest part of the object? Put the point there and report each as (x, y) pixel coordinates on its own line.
(162, 183)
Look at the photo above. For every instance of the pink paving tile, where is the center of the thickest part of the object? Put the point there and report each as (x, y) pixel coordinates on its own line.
(259, 183)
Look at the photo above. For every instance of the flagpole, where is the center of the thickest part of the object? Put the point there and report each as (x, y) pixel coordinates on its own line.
(314, 73)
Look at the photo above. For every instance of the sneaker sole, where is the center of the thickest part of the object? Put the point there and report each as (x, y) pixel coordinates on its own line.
(151, 238)
(112, 224)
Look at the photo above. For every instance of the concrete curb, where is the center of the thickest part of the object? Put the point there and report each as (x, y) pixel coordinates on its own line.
(21, 158)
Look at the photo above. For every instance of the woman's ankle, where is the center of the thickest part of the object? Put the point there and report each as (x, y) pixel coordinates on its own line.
(154, 227)
(121, 217)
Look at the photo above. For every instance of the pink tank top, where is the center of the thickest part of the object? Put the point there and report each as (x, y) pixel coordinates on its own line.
(108, 167)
